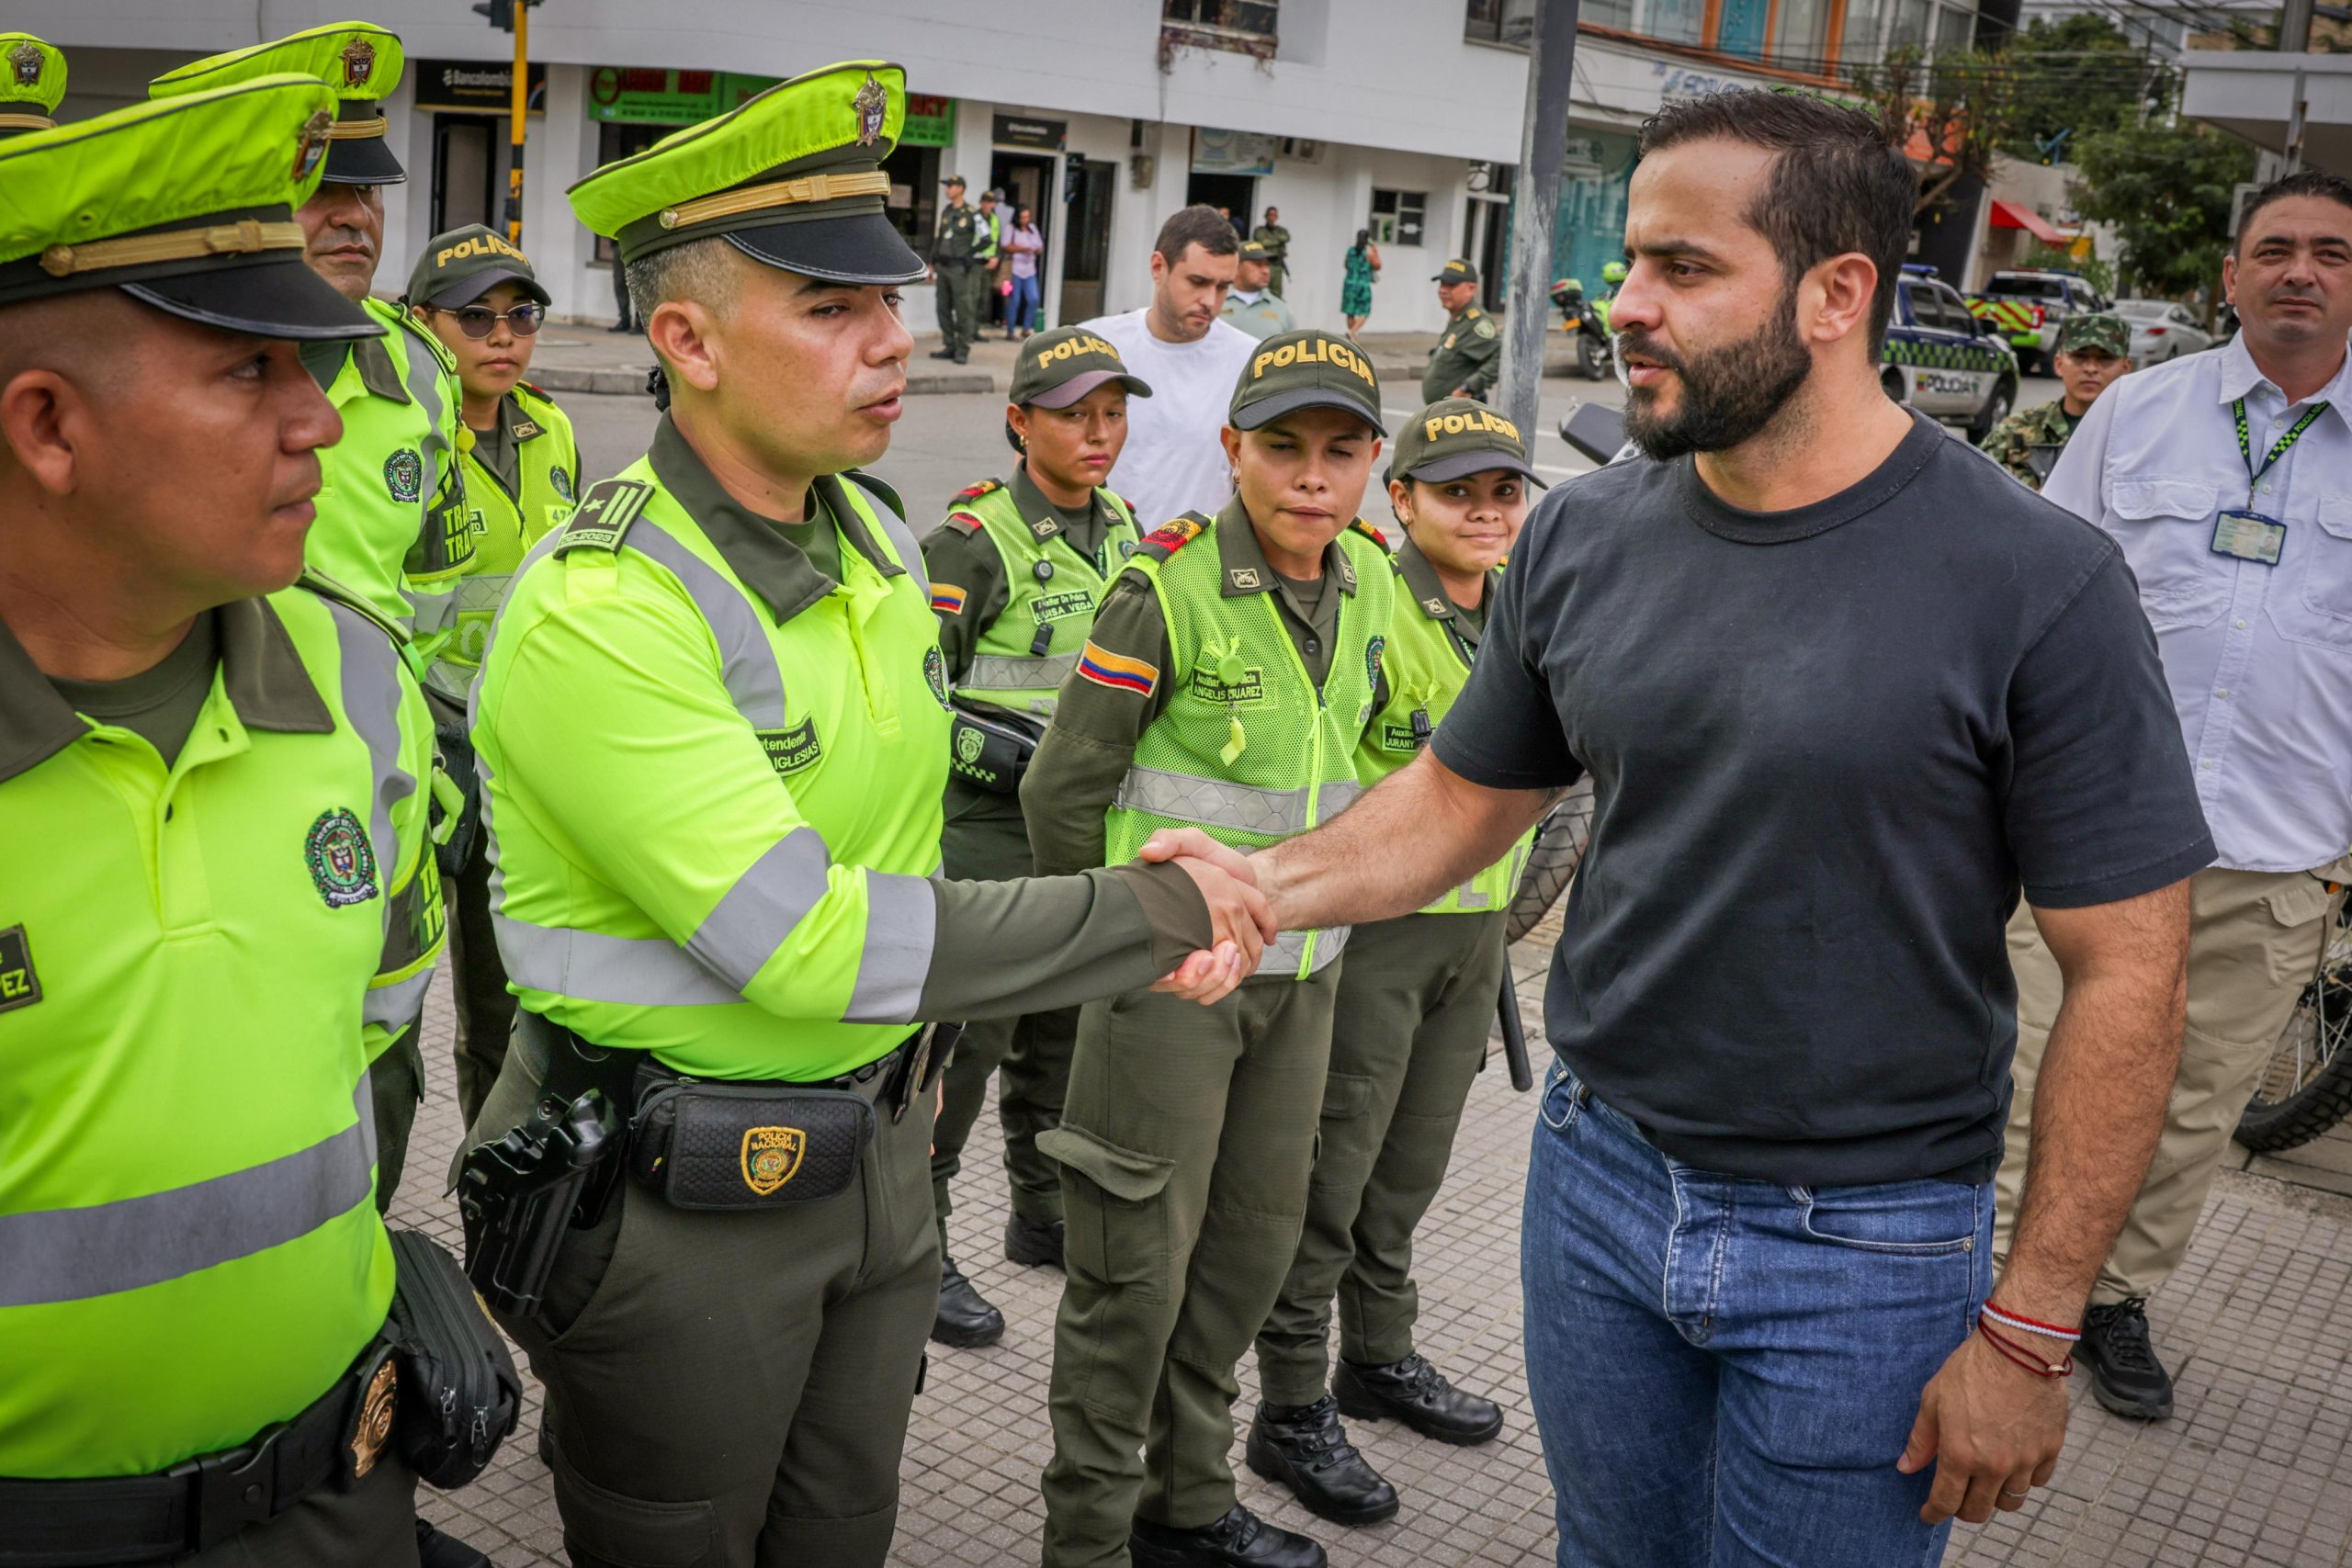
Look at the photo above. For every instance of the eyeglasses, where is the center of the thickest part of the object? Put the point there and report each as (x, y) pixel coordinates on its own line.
(478, 320)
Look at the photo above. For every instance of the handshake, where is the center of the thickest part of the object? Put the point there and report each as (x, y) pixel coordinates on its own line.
(1240, 914)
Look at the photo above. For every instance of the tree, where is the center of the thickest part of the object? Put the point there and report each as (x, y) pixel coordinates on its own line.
(2074, 78)
(1951, 113)
(2166, 190)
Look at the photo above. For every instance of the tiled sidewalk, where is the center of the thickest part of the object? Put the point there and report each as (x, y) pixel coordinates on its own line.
(2255, 1327)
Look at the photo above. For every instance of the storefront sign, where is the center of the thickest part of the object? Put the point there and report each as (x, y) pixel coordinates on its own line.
(1025, 130)
(1231, 152)
(644, 96)
(474, 86)
(931, 122)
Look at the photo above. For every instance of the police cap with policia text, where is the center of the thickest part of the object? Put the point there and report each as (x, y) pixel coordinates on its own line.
(185, 204)
(1309, 368)
(1456, 437)
(460, 267)
(32, 78)
(792, 178)
(1057, 368)
(360, 60)
(1455, 271)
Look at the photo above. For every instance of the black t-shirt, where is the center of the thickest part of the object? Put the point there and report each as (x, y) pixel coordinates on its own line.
(1826, 746)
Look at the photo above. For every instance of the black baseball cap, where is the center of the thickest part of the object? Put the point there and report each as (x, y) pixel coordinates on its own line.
(1455, 271)
(1309, 369)
(1057, 368)
(1454, 437)
(460, 267)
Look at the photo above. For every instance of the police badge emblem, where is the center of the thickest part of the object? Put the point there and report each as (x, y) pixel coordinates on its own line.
(404, 474)
(560, 481)
(311, 143)
(358, 63)
(934, 674)
(374, 1428)
(771, 1157)
(343, 865)
(26, 60)
(969, 745)
(872, 103)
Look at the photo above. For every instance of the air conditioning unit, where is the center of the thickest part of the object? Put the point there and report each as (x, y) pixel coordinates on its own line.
(1302, 148)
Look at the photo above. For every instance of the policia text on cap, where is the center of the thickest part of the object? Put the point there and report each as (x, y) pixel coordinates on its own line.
(725, 890)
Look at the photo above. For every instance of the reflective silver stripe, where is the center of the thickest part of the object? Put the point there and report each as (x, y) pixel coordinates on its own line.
(388, 1007)
(68, 1254)
(430, 610)
(753, 683)
(743, 930)
(1000, 673)
(589, 966)
(371, 701)
(484, 592)
(901, 927)
(1214, 802)
(1282, 954)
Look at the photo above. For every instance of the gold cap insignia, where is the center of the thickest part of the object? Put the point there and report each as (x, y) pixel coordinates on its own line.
(374, 1426)
(873, 101)
(358, 62)
(27, 60)
(311, 143)
(771, 1157)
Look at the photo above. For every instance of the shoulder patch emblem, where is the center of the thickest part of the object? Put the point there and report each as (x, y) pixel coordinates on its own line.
(1371, 652)
(1117, 670)
(974, 493)
(1371, 531)
(605, 514)
(19, 985)
(560, 482)
(1174, 537)
(404, 474)
(948, 599)
(342, 862)
(962, 523)
(934, 673)
(1483, 328)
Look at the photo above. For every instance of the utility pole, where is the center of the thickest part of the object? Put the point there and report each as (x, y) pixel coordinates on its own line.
(518, 114)
(1535, 209)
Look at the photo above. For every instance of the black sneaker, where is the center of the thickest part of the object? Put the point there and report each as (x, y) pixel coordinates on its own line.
(965, 1318)
(1417, 1394)
(2126, 1377)
(1240, 1540)
(1306, 1449)
(1033, 1242)
(942, 354)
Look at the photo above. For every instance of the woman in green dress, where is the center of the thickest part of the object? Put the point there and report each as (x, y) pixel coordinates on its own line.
(1355, 289)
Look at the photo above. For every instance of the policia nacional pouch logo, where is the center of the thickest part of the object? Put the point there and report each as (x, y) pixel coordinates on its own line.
(343, 865)
(771, 1157)
(19, 984)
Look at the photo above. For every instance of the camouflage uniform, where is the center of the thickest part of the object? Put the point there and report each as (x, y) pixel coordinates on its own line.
(2013, 441)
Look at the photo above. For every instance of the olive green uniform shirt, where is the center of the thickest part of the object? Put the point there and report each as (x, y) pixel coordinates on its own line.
(958, 237)
(158, 704)
(1470, 357)
(969, 560)
(2012, 443)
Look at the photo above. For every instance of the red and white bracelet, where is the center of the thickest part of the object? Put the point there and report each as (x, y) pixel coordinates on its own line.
(2027, 1324)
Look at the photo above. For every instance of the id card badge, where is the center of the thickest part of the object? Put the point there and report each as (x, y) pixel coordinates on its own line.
(2249, 535)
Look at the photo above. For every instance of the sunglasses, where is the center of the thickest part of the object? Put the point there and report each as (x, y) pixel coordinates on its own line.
(479, 321)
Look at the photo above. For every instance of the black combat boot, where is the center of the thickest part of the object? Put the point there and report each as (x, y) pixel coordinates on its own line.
(1305, 1448)
(965, 1318)
(1033, 1242)
(435, 1549)
(1240, 1540)
(2126, 1377)
(1417, 1394)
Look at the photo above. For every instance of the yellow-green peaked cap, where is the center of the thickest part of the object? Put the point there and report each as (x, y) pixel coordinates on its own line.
(359, 60)
(792, 178)
(32, 78)
(184, 203)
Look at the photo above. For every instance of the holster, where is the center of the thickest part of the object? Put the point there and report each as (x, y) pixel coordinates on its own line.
(992, 748)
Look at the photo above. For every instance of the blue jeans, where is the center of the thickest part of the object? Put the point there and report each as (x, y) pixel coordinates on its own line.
(1020, 304)
(1725, 1370)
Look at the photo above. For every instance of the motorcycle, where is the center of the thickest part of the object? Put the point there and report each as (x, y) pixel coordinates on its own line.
(1588, 321)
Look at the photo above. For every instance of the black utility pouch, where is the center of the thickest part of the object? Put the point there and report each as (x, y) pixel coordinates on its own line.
(717, 1145)
(458, 1392)
(990, 748)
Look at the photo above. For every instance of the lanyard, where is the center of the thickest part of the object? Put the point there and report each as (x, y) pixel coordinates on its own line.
(2278, 448)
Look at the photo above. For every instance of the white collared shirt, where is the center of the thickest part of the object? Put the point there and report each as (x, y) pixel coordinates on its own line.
(2258, 657)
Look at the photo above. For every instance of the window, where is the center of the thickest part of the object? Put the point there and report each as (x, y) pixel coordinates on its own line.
(914, 199)
(1207, 21)
(1863, 20)
(1398, 216)
(1800, 34)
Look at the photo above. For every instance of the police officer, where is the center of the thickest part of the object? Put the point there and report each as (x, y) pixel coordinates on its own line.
(1271, 235)
(1252, 305)
(1408, 1032)
(222, 892)
(32, 80)
(989, 250)
(479, 294)
(391, 515)
(956, 262)
(1017, 571)
(1470, 355)
(1225, 685)
(2093, 350)
(722, 871)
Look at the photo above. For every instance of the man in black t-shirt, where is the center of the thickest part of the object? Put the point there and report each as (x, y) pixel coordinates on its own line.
(1844, 689)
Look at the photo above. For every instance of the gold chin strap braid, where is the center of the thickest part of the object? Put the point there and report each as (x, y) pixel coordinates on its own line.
(242, 238)
(778, 193)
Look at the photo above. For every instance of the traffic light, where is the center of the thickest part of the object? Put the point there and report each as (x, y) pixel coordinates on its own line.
(500, 12)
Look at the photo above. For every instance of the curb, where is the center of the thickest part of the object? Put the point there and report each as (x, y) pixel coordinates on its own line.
(631, 383)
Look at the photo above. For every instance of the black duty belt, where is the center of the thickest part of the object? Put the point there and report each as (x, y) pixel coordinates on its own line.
(202, 1502)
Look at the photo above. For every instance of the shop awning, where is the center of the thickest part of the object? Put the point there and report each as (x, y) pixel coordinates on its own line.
(2010, 215)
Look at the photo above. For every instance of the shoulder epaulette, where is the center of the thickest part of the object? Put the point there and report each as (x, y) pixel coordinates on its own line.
(326, 587)
(974, 493)
(604, 517)
(964, 523)
(1173, 535)
(1364, 527)
(877, 489)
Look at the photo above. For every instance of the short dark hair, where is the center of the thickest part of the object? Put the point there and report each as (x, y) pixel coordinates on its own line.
(1198, 224)
(1837, 184)
(2307, 182)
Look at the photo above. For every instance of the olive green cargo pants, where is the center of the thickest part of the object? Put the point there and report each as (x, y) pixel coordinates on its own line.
(986, 840)
(961, 285)
(731, 1388)
(485, 1008)
(1185, 1148)
(1409, 1033)
(372, 1526)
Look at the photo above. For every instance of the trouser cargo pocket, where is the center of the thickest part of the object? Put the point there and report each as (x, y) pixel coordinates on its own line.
(1114, 1204)
(603, 1526)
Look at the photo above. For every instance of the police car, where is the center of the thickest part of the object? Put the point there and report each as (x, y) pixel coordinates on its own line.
(1941, 361)
(2030, 303)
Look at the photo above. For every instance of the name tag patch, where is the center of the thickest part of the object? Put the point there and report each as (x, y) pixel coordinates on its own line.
(1229, 687)
(789, 750)
(2249, 535)
(19, 986)
(1061, 606)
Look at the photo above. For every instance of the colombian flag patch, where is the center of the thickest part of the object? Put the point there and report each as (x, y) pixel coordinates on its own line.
(1117, 670)
(947, 599)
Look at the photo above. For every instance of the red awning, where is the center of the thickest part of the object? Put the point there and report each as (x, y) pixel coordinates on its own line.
(2010, 215)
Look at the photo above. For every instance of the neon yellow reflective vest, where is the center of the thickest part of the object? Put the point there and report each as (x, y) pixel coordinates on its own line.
(1425, 667)
(392, 525)
(1248, 749)
(1020, 660)
(504, 526)
(714, 776)
(194, 975)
